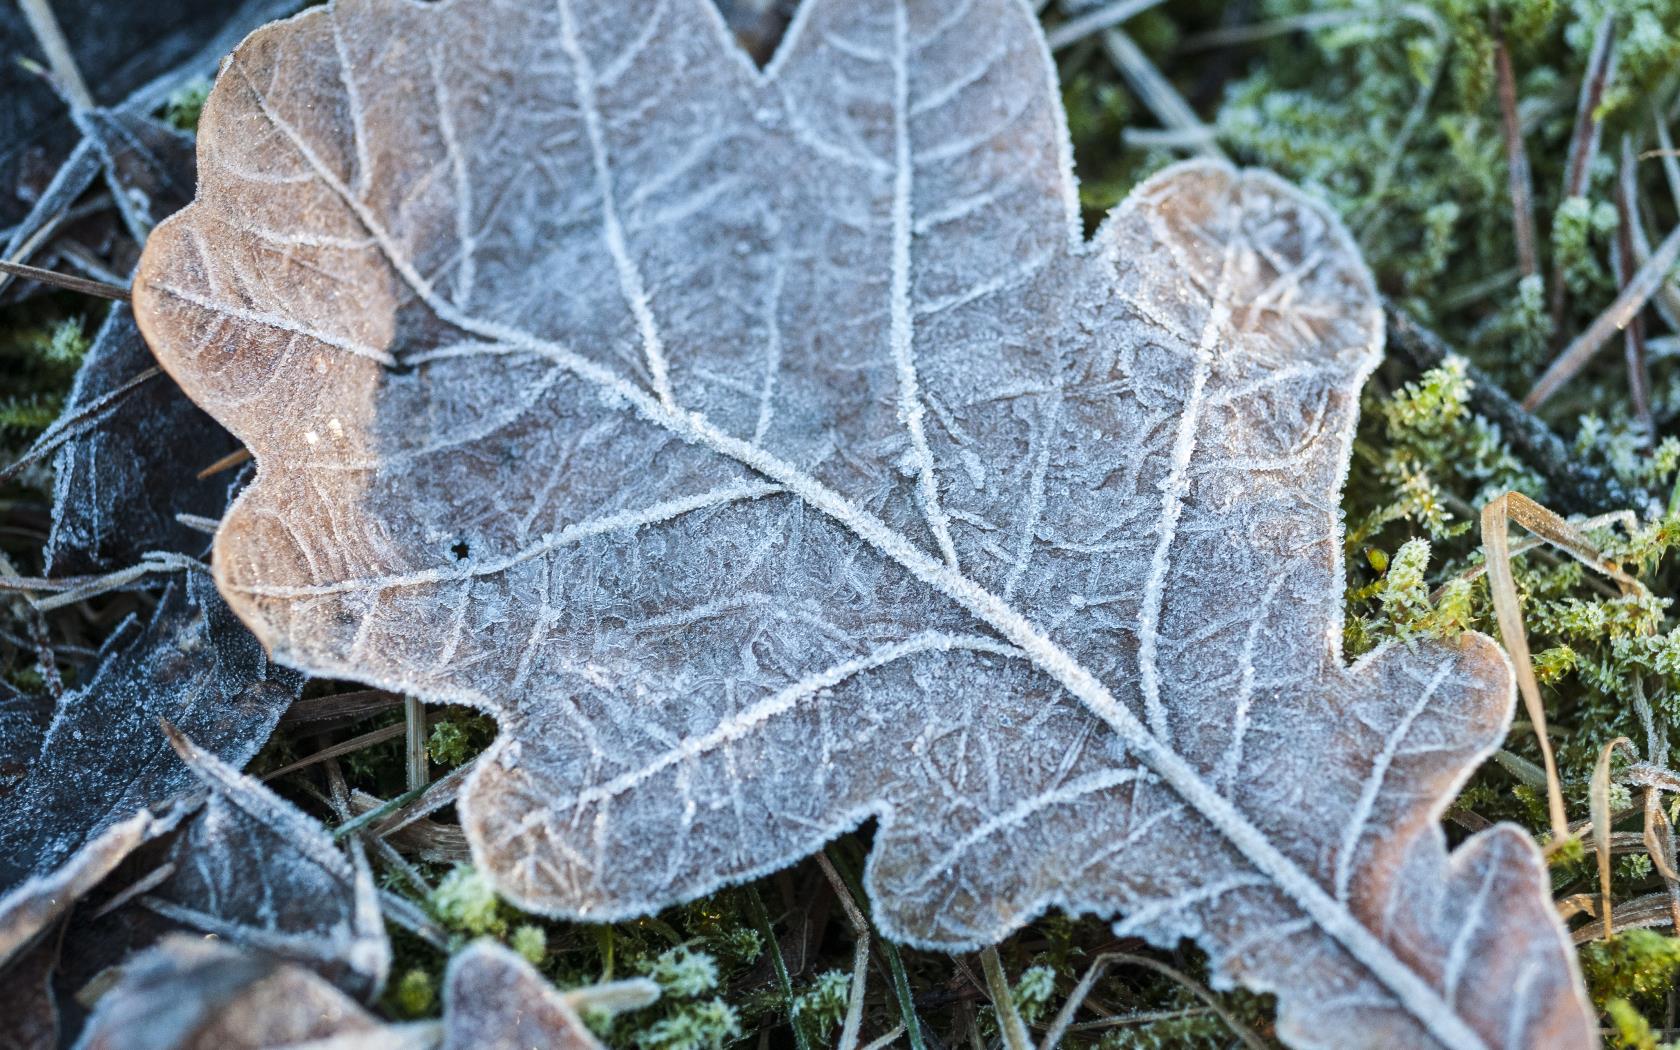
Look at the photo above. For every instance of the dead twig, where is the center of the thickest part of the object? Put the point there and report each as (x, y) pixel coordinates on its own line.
(1571, 485)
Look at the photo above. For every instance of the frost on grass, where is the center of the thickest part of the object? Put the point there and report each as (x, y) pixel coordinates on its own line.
(128, 469)
(769, 453)
(99, 778)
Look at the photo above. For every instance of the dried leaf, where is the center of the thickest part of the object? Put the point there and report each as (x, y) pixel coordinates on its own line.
(198, 994)
(190, 994)
(119, 62)
(246, 868)
(24, 718)
(495, 1000)
(768, 452)
(129, 470)
(95, 791)
(26, 998)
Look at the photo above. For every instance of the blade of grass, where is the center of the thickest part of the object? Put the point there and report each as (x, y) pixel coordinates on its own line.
(761, 919)
(1003, 1001)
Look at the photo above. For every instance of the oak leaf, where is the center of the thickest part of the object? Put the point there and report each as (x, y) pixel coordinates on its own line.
(100, 780)
(768, 452)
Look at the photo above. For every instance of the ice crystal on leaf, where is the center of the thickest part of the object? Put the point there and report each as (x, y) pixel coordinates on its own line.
(768, 452)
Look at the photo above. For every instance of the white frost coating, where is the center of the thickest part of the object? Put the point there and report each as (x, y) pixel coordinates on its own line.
(910, 409)
(730, 640)
(629, 274)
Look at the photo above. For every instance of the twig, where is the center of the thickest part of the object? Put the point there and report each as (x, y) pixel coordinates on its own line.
(1092, 22)
(1571, 486)
(1635, 294)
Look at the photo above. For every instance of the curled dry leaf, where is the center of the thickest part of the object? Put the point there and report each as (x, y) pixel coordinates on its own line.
(127, 468)
(769, 452)
(201, 995)
(130, 58)
(494, 1000)
(240, 865)
(198, 994)
(100, 776)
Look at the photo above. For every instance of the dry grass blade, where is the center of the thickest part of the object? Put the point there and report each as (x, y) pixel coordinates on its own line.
(1496, 546)
(414, 720)
(1516, 157)
(1600, 803)
(1583, 142)
(428, 840)
(1064, 1019)
(69, 282)
(1003, 1002)
(354, 744)
(66, 77)
(1641, 913)
(853, 1023)
(153, 562)
(1657, 836)
(1156, 92)
(1633, 335)
(340, 708)
(74, 424)
(1095, 21)
(227, 462)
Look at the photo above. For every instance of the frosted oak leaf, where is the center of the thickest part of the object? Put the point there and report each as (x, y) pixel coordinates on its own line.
(768, 451)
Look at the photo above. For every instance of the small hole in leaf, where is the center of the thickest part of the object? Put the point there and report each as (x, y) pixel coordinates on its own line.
(460, 550)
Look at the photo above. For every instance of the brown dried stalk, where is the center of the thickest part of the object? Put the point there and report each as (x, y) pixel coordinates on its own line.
(1516, 157)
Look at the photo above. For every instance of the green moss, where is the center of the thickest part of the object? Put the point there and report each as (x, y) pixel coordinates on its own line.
(465, 901)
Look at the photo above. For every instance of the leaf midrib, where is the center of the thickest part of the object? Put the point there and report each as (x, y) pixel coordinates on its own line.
(1412, 992)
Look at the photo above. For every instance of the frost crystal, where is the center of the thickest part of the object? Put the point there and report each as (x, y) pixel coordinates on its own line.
(768, 452)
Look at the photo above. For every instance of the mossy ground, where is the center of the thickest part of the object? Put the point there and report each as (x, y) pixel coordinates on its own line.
(1392, 113)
